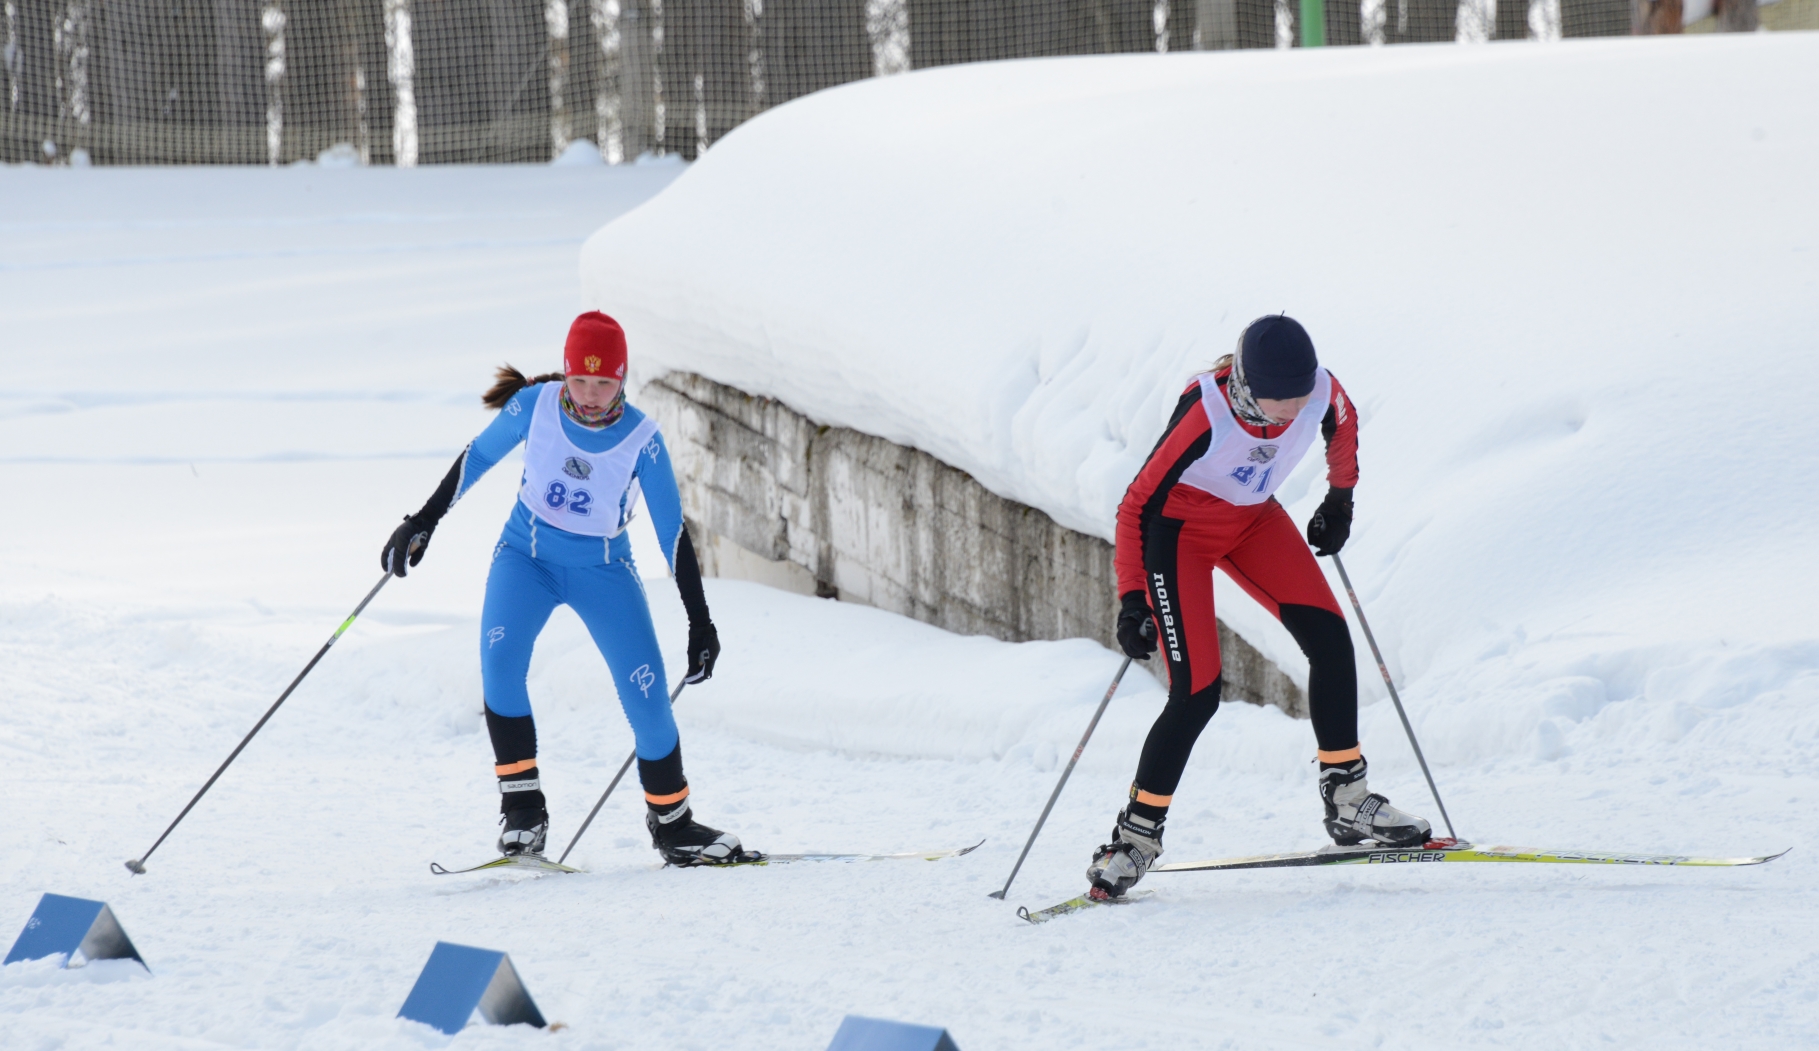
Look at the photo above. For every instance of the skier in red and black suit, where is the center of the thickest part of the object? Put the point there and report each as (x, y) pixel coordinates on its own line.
(1204, 499)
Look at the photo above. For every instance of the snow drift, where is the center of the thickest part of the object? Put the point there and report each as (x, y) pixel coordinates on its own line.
(1572, 288)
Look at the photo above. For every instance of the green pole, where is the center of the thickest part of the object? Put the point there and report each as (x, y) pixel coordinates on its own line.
(1313, 23)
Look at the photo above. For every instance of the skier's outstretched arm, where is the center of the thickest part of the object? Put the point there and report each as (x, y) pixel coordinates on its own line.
(407, 543)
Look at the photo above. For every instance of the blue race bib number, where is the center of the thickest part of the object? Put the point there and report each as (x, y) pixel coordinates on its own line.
(578, 501)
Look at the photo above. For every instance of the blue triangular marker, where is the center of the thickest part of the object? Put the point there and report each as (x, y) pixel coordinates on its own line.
(460, 979)
(858, 1033)
(83, 931)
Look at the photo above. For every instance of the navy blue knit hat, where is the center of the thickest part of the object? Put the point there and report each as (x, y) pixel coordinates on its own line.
(1278, 357)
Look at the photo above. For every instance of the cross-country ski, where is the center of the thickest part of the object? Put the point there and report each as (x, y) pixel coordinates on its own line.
(1090, 900)
(908, 855)
(540, 863)
(534, 862)
(1442, 851)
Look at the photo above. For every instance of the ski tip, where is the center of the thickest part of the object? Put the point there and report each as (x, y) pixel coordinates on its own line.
(964, 851)
(1023, 912)
(438, 869)
(1772, 857)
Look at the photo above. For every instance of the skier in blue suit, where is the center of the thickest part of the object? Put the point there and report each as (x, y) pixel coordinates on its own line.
(588, 458)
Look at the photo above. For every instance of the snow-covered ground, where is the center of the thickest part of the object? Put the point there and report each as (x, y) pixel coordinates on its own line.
(220, 389)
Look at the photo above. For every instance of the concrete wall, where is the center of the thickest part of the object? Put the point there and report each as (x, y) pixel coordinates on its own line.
(772, 496)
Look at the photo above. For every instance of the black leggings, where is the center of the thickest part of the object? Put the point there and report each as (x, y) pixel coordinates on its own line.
(1332, 687)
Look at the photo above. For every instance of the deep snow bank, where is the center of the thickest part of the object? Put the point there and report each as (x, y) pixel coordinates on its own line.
(1573, 289)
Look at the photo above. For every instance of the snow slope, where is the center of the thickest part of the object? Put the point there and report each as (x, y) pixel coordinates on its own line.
(219, 390)
(1573, 289)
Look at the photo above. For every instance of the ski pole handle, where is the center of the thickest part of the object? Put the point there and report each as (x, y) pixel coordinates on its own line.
(627, 765)
(137, 865)
(1056, 794)
(1384, 668)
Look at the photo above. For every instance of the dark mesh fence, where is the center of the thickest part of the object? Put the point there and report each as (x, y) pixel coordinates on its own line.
(444, 81)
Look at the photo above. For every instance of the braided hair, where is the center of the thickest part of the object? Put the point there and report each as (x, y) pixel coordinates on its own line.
(509, 381)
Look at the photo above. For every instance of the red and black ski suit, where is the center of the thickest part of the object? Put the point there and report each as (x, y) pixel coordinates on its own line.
(1170, 537)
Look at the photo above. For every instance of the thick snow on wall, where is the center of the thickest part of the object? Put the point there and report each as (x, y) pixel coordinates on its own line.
(1572, 288)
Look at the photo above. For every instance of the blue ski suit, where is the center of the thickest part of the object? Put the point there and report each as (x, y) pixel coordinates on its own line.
(537, 566)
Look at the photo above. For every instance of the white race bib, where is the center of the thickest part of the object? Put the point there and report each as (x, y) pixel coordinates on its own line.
(574, 490)
(1241, 469)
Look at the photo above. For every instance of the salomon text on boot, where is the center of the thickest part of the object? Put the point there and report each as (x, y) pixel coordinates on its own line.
(1354, 813)
(1118, 865)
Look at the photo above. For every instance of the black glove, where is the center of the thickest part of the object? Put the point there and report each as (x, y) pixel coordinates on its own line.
(406, 545)
(703, 650)
(410, 539)
(1328, 530)
(1136, 628)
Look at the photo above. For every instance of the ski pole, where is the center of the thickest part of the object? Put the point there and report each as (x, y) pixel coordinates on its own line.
(137, 866)
(614, 783)
(1056, 794)
(1384, 668)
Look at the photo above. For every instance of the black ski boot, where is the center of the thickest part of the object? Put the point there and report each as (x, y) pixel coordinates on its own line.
(523, 813)
(683, 841)
(1118, 865)
(1354, 813)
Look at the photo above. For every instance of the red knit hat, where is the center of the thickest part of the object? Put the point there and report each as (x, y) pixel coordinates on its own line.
(596, 347)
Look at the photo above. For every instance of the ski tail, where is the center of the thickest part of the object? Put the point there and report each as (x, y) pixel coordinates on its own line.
(1595, 857)
(1090, 899)
(536, 862)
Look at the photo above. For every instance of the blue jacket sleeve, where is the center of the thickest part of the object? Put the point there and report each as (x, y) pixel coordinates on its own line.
(500, 437)
(657, 480)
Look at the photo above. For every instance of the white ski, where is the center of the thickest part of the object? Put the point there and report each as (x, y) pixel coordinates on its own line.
(1440, 850)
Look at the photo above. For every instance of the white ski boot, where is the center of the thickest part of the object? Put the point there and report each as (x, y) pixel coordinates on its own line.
(1354, 813)
(1118, 865)
(526, 828)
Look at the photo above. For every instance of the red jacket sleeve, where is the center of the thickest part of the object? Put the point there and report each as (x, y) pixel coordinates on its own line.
(1184, 441)
(1340, 428)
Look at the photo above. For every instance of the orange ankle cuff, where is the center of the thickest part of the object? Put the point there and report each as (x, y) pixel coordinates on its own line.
(674, 797)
